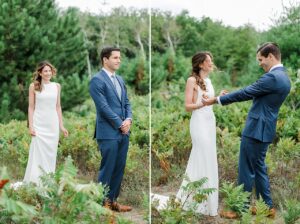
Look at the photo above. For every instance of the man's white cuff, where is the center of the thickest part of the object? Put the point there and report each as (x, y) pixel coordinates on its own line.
(219, 101)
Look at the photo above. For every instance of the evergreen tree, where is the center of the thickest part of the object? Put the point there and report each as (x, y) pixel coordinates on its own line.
(286, 32)
(32, 31)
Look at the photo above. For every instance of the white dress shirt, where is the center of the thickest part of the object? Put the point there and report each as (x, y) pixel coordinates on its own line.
(112, 80)
(109, 74)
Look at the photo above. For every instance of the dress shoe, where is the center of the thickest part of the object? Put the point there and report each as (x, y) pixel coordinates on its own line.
(253, 210)
(107, 204)
(229, 214)
(120, 208)
(272, 213)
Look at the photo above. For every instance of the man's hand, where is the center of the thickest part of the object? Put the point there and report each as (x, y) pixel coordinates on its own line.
(125, 127)
(209, 101)
(223, 92)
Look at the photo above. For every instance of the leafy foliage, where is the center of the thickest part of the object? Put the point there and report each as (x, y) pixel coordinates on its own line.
(11, 209)
(284, 32)
(171, 146)
(176, 211)
(71, 41)
(291, 214)
(80, 145)
(196, 190)
(57, 38)
(234, 198)
(59, 198)
(262, 212)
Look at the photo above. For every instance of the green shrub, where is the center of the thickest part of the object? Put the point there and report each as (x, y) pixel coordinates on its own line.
(59, 198)
(176, 211)
(171, 142)
(291, 213)
(80, 145)
(234, 198)
(262, 212)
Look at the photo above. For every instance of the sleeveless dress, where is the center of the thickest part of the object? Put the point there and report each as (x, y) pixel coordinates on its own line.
(203, 158)
(43, 147)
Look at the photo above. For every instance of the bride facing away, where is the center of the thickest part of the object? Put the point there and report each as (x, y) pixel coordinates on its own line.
(202, 161)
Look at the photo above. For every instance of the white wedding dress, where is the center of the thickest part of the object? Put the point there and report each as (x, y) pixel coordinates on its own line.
(203, 158)
(43, 147)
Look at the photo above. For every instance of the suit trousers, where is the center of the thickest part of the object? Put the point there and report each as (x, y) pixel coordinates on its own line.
(114, 154)
(252, 168)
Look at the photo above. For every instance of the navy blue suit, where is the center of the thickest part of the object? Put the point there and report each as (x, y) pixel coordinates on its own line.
(113, 145)
(268, 93)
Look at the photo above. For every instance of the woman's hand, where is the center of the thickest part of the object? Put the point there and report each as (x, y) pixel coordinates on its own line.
(32, 132)
(65, 131)
(199, 105)
(204, 96)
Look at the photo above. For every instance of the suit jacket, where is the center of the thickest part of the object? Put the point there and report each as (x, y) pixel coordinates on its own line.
(111, 111)
(268, 94)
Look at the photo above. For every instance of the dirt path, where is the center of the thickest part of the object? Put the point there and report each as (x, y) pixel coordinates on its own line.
(171, 189)
(135, 216)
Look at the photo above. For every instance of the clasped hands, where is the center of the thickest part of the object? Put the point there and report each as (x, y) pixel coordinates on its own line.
(125, 127)
(210, 101)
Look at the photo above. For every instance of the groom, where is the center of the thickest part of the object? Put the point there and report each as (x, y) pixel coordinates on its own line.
(113, 123)
(268, 93)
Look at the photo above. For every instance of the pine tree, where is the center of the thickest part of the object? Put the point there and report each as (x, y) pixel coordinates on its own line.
(32, 31)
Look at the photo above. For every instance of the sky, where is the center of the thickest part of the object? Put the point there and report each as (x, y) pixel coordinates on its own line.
(234, 13)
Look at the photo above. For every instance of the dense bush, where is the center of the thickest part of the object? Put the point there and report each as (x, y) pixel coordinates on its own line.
(59, 198)
(171, 143)
(80, 145)
(291, 211)
(177, 211)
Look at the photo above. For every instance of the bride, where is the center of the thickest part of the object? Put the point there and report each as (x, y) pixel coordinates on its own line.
(45, 120)
(203, 158)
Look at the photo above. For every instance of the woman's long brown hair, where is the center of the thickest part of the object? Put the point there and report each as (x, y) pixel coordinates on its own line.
(198, 59)
(37, 78)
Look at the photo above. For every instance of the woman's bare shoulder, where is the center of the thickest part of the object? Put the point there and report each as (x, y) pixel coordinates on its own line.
(57, 84)
(191, 79)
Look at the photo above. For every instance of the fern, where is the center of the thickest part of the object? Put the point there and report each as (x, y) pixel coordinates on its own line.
(16, 210)
(175, 211)
(235, 198)
(197, 191)
(59, 198)
(292, 212)
(246, 218)
(262, 212)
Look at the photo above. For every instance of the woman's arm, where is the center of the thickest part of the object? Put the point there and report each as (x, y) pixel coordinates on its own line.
(31, 106)
(59, 112)
(189, 95)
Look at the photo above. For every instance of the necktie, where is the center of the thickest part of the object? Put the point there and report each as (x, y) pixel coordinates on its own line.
(117, 86)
